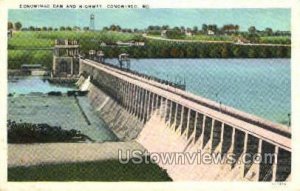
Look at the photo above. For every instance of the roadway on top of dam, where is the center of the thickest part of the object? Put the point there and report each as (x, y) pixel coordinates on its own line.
(275, 133)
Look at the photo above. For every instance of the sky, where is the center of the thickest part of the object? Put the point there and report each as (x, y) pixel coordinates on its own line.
(277, 19)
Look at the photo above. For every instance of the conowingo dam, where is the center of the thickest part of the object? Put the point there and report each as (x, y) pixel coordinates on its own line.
(164, 118)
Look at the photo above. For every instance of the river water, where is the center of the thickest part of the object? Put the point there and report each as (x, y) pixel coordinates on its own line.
(257, 86)
(61, 111)
(30, 84)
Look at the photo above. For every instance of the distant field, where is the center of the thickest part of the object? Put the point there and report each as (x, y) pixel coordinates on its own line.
(209, 38)
(200, 37)
(275, 39)
(28, 42)
(18, 57)
(31, 39)
(229, 38)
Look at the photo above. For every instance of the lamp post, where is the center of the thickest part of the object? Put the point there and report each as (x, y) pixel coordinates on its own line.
(219, 101)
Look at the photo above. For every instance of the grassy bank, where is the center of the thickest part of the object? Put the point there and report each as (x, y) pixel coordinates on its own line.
(109, 170)
(275, 40)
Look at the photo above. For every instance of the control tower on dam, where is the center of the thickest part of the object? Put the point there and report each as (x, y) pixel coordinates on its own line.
(170, 120)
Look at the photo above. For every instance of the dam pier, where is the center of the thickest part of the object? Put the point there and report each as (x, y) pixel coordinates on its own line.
(163, 117)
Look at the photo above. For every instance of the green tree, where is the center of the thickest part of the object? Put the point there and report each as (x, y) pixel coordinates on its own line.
(269, 31)
(264, 52)
(118, 28)
(165, 27)
(190, 52)
(214, 52)
(237, 28)
(213, 27)
(281, 52)
(288, 52)
(175, 53)
(174, 34)
(253, 38)
(150, 28)
(32, 28)
(252, 30)
(76, 28)
(202, 52)
(10, 25)
(252, 53)
(18, 26)
(68, 28)
(182, 53)
(204, 28)
(177, 28)
(224, 52)
(195, 29)
(136, 53)
(113, 28)
(62, 28)
(237, 51)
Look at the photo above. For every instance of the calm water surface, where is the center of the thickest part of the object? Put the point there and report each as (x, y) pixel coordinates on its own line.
(257, 86)
(29, 84)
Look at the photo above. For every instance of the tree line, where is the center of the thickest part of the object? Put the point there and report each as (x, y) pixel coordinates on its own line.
(230, 29)
(199, 50)
(19, 27)
(156, 29)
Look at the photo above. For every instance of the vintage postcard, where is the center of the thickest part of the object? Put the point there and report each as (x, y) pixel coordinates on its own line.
(175, 93)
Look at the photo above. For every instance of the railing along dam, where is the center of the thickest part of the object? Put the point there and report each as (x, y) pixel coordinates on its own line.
(214, 128)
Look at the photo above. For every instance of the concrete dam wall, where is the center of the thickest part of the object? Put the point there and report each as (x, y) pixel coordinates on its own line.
(121, 122)
(166, 120)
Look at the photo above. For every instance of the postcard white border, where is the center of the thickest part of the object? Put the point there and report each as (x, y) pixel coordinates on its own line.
(295, 60)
